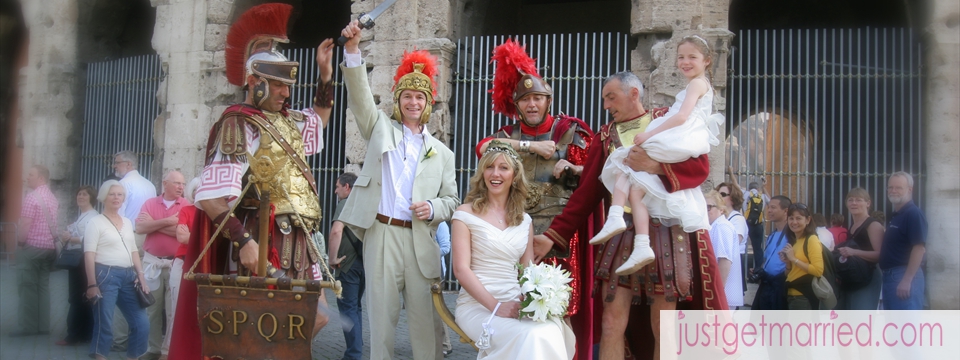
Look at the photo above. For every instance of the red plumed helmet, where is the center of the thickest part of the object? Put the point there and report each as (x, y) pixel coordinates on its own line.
(514, 65)
(415, 68)
(258, 30)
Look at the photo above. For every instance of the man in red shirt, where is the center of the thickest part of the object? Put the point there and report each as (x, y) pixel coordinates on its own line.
(681, 277)
(158, 221)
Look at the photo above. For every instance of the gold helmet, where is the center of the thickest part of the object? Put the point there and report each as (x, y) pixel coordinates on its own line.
(416, 72)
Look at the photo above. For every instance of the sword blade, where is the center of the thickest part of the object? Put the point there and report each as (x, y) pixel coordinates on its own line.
(380, 9)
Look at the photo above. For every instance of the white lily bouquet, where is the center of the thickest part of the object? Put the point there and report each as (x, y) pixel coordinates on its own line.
(546, 291)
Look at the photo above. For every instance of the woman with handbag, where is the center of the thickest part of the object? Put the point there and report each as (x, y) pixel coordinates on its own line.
(866, 237)
(803, 267)
(114, 275)
(80, 316)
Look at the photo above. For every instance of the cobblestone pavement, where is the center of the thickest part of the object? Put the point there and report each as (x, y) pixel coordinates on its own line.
(328, 344)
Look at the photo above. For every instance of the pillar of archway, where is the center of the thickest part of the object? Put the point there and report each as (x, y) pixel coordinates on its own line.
(190, 36)
(659, 25)
(49, 122)
(942, 139)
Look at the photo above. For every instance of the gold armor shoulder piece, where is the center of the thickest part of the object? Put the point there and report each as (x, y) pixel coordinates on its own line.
(295, 115)
(232, 135)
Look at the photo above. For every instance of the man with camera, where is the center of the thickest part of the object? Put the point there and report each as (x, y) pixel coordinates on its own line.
(772, 277)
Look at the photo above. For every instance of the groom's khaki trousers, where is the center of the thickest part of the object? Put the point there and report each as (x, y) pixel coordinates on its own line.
(391, 268)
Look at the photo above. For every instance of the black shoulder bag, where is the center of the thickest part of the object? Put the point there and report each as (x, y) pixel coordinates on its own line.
(146, 299)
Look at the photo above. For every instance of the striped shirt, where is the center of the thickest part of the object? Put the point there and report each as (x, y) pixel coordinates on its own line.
(39, 235)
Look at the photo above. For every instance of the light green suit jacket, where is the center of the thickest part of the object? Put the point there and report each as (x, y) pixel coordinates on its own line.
(435, 180)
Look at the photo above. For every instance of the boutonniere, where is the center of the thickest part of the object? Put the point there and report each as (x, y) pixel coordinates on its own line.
(430, 152)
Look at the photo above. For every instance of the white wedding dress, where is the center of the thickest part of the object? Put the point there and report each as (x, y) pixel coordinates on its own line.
(494, 257)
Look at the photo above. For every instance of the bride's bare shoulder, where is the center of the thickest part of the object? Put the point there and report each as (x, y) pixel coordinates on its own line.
(467, 208)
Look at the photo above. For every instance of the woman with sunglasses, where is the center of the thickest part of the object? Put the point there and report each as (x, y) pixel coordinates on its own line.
(723, 235)
(803, 257)
(732, 197)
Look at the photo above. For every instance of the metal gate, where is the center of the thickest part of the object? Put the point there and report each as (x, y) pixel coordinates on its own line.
(575, 65)
(121, 105)
(815, 113)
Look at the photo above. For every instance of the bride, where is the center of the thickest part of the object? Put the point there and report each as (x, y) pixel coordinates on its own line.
(491, 235)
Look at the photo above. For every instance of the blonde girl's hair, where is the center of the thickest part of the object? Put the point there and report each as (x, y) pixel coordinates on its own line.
(717, 199)
(704, 47)
(516, 199)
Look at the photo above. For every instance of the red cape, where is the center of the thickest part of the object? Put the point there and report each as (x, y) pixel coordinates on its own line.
(581, 216)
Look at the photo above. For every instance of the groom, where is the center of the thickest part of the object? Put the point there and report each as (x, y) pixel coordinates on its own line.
(413, 174)
(676, 279)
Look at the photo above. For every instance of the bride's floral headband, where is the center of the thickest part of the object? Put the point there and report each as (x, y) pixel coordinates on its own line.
(502, 147)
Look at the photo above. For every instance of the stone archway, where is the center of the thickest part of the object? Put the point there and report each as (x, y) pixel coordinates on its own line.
(775, 149)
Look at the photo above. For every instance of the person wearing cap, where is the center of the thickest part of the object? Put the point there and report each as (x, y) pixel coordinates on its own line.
(553, 150)
(263, 141)
(405, 189)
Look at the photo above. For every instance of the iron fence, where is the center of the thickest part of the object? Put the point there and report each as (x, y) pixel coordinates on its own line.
(120, 108)
(816, 112)
(575, 65)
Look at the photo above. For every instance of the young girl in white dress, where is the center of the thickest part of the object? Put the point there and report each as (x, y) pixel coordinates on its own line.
(687, 130)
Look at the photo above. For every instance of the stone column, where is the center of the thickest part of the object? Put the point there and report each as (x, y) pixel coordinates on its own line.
(190, 36)
(941, 141)
(408, 26)
(50, 111)
(659, 26)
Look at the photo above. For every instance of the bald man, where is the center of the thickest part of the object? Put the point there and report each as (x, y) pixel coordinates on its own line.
(158, 221)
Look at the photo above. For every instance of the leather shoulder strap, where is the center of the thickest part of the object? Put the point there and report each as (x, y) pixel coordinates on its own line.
(285, 145)
(517, 132)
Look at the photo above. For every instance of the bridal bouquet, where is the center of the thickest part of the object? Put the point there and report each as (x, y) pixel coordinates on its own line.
(545, 290)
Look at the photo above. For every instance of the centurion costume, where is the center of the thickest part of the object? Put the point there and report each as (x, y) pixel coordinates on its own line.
(515, 78)
(266, 150)
(685, 270)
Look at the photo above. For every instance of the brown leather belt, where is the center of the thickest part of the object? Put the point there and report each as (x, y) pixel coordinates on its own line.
(395, 222)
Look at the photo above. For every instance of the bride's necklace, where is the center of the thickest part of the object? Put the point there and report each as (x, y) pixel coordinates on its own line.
(501, 213)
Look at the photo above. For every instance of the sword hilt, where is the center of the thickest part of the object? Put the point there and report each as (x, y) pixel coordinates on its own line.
(366, 22)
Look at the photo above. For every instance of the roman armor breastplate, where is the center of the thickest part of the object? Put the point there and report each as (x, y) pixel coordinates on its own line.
(548, 195)
(627, 130)
(275, 171)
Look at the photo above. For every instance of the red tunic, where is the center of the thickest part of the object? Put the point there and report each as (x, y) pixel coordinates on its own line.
(581, 216)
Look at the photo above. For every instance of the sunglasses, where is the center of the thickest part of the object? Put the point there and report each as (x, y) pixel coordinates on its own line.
(723, 194)
(797, 206)
(709, 207)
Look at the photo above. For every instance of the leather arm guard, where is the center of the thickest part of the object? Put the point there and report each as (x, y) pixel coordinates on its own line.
(234, 230)
(323, 97)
